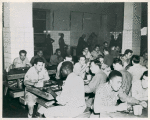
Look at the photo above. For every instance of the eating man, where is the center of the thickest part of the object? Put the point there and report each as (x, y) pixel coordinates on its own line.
(35, 76)
(21, 61)
(126, 57)
(99, 78)
(81, 67)
(126, 76)
(56, 58)
(67, 58)
(71, 100)
(108, 93)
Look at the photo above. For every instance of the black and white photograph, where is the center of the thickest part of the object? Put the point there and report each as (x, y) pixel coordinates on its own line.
(74, 59)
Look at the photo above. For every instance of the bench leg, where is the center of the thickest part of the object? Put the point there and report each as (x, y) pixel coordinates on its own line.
(5, 90)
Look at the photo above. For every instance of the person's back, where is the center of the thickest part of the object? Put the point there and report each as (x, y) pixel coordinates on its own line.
(136, 70)
(126, 81)
(108, 60)
(71, 99)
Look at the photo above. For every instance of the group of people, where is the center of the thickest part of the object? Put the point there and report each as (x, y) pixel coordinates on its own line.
(114, 78)
(49, 46)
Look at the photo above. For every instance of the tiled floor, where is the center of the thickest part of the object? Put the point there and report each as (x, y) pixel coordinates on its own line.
(12, 108)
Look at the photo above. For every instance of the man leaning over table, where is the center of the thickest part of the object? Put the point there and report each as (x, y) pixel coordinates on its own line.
(35, 77)
(71, 99)
(108, 93)
(21, 61)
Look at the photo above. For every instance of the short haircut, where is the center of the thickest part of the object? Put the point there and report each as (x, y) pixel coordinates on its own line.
(144, 74)
(105, 42)
(81, 56)
(97, 46)
(113, 74)
(117, 60)
(136, 59)
(96, 62)
(57, 50)
(68, 56)
(66, 68)
(128, 51)
(22, 51)
(38, 60)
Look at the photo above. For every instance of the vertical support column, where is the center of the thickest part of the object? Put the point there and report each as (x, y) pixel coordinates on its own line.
(17, 31)
(104, 32)
(132, 27)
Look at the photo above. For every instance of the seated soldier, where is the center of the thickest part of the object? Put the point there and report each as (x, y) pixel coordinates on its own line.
(144, 59)
(126, 57)
(96, 52)
(87, 54)
(126, 76)
(108, 93)
(67, 58)
(81, 67)
(39, 55)
(71, 99)
(140, 88)
(35, 77)
(56, 58)
(99, 78)
(21, 61)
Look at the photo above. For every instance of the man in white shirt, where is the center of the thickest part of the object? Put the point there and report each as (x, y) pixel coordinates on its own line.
(35, 76)
(81, 67)
(71, 99)
(67, 58)
(108, 93)
(21, 61)
(136, 70)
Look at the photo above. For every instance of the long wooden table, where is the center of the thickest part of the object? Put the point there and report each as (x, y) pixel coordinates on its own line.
(41, 92)
(19, 73)
(129, 115)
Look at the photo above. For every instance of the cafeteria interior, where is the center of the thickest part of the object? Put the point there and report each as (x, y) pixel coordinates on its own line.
(75, 59)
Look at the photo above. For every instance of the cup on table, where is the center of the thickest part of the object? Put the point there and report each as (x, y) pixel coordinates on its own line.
(137, 109)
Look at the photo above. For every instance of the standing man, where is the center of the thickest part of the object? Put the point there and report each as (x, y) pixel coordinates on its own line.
(49, 46)
(81, 44)
(34, 77)
(62, 44)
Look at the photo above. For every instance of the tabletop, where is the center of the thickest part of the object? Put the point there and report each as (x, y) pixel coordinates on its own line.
(129, 115)
(42, 92)
(18, 73)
